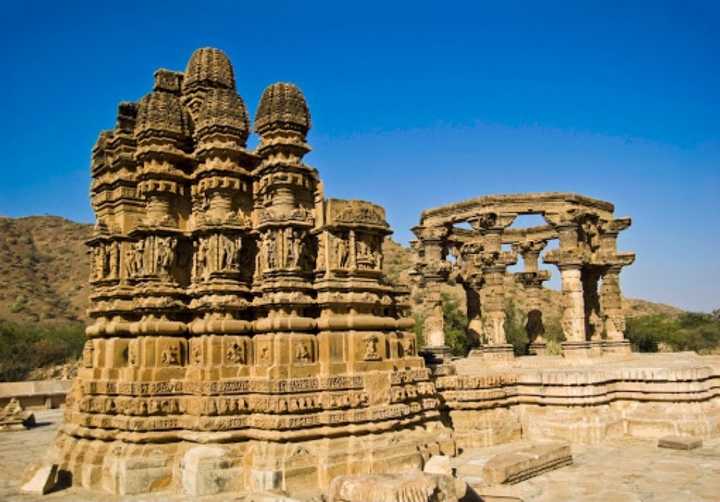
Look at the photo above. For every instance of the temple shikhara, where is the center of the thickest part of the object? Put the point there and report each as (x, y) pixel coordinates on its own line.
(244, 339)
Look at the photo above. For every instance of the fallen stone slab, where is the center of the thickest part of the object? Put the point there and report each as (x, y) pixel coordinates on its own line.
(680, 442)
(525, 463)
(13, 417)
(42, 481)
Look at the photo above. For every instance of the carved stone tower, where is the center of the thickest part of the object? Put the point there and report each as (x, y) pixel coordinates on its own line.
(243, 335)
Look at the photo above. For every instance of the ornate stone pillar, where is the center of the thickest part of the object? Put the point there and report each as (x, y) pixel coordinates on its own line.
(591, 303)
(493, 262)
(532, 279)
(614, 318)
(434, 269)
(570, 262)
(610, 294)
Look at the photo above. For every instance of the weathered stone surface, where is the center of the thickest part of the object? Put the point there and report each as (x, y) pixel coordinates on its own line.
(438, 464)
(679, 442)
(412, 486)
(42, 481)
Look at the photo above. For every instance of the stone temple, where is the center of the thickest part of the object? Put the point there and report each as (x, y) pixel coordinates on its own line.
(242, 325)
(244, 338)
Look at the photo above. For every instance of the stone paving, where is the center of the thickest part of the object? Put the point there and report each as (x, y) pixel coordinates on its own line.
(626, 470)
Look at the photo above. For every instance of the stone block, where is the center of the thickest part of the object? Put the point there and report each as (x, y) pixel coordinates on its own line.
(680, 442)
(414, 485)
(438, 464)
(205, 470)
(524, 463)
(42, 481)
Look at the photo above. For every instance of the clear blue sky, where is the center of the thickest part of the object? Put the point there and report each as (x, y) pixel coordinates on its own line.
(414, 105)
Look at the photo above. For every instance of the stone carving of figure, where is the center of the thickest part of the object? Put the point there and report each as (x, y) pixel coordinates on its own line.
(290, 256)
(235, 353)
(408, 346)
(341, 253)
(378, 253)
(295, 248)
(197, 354)
(129, 260)
(371, 348)
(271, 251)
(105, 260)
(138, 259)
(165, 257)
(227, 253)
(302, 352)
(97, 269)
(170, 356)
(114, 260)
(202, 258)
(87, 354)
(320, 258)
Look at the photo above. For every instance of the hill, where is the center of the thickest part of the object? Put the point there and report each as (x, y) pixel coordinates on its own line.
(44, 269)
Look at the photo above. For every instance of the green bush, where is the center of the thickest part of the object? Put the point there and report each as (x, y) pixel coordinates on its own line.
(456, 323)
(25, 347)
(515, 329)
(690, 331)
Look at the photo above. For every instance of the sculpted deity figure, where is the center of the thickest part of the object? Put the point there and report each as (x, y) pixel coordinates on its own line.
(165, 255)
(295, 247)
(114, 259)
(87, 354)
(341, 253)
(229, 251)
(271, 251)
(170, 356)
(138, 260)
(97, 269)
(371, 348)
(235, 353)
(302, 352)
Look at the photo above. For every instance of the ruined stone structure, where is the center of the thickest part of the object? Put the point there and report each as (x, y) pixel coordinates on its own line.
(244, 339)
(243, 336)
(587, 258)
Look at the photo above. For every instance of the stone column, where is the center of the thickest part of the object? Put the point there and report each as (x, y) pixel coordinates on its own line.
(472, 286)
(532, 279)
(573, 317)
(569, 259)
(434, 270)
(591, 303)
(534, 327)
(494, 262)
(614, 318)
(610, 295)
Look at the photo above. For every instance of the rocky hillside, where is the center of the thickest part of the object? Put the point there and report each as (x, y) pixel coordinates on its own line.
(44, 270)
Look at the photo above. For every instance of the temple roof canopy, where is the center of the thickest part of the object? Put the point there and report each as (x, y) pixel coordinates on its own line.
(208, 68)
(282, 106)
